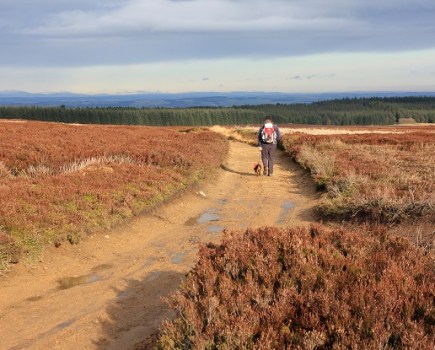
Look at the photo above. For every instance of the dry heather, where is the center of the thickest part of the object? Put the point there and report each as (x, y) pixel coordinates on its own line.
(381, 178)
(305, 289)
(244, 135)
(59, 182)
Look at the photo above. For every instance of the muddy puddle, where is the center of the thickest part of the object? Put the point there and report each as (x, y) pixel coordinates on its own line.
(210, 215)
(70, 282)
(102, 267)
(285, 209)
(215, 229)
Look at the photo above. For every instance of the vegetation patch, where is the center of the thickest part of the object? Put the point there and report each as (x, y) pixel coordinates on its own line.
(387, 178)
(305, 289)
(59, 182)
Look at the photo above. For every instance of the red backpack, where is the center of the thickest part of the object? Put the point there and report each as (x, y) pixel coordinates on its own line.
(268, 134)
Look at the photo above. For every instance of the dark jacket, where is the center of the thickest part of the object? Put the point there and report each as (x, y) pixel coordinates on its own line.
(278, 135)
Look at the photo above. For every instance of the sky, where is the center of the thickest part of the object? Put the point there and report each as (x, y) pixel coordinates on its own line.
(125, 46)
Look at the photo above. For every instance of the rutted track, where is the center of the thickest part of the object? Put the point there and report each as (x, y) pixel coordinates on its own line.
(106, 292)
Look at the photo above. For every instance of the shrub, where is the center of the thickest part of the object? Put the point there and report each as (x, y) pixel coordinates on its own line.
(305, 288)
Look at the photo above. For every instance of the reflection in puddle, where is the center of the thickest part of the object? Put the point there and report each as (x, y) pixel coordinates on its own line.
(208, 216)
(285, 208)
(69, 282)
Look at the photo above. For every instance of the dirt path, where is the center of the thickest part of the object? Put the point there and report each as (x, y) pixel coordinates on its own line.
(106, 292)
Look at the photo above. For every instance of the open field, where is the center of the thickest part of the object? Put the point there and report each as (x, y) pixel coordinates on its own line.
(61, 182)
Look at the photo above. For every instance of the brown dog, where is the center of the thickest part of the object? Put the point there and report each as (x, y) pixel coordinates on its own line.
(258, 169)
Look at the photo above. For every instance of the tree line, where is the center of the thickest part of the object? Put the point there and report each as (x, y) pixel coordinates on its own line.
(357, 111)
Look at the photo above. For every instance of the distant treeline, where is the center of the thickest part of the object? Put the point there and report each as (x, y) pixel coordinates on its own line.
(357, 111)
(361, 111)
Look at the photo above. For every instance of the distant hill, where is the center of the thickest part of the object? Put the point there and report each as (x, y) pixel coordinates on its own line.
(182, 100)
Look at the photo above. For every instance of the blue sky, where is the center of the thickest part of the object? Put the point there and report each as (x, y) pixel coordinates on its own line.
(117, 46)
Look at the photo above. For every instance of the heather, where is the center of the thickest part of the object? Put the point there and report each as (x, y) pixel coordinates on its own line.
(61, 182)
(386, 178)
(305, 288)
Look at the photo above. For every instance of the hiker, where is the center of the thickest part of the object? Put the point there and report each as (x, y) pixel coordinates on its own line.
(268, 137)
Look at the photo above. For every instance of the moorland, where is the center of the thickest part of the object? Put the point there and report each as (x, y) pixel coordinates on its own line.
(354, 269)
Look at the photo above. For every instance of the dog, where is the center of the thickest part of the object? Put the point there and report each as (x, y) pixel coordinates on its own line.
(258, 168)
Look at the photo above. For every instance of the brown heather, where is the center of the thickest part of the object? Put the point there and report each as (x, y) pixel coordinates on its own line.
(305, 288)
(388, 178)
(60, 182)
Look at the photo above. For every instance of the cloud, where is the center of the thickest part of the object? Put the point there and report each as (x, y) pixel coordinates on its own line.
(66, 33)
(205, 79)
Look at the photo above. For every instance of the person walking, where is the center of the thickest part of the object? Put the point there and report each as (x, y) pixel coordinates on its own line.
(268, 137)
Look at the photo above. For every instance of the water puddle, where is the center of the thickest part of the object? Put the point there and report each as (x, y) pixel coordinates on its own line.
(215, 229)
(209, 216)
(285, 208)
(178, 258)
(102, 267)
(70, 282)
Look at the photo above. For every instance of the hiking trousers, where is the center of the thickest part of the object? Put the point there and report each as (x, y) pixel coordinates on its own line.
(267, 156)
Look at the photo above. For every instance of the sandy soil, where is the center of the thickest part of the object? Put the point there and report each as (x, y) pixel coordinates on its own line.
(106, 292)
